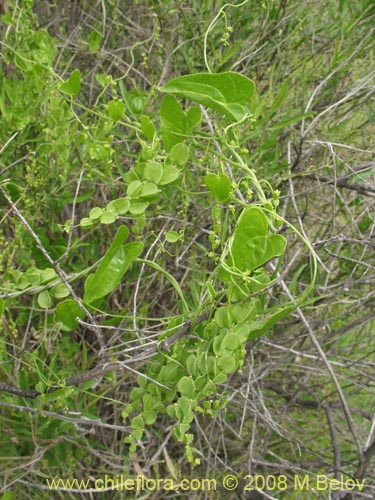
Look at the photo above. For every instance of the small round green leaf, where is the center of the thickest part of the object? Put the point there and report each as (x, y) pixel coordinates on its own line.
(153, 172)
(134, 188)
(170, 174)
(119, 206)
(115, 109)
(108, 217)
(227, 363)
(191, 364)
(45, 300)
(95, 213)
(34, 276)
(179, 154)
(60, 291)
(149, 190)
(137, 207)
(172, 411)
(86, 223)
(149, 417)
(137, 423)
(172, 236)
(22, 282)
(231, 342)
(220, 378)
(47, 275)
(222, 317)
(186, 386)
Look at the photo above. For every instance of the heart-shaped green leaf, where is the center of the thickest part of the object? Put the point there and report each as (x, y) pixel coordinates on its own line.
(173, 121)
(252, 245)
(67, 312)
(115, 109)
(219, 186)
(73, 84)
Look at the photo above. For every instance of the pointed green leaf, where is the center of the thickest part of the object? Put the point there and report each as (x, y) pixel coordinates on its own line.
(261, 327)
(147, 127)
(227, 93)
(171, 115)
(62, 394)
(94, 40)
(290, 121)
(194, 117)
(121, 236)
(8, 495)
(113, 267)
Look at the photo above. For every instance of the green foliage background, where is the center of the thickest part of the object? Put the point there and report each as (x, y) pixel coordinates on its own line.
(152, 319)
